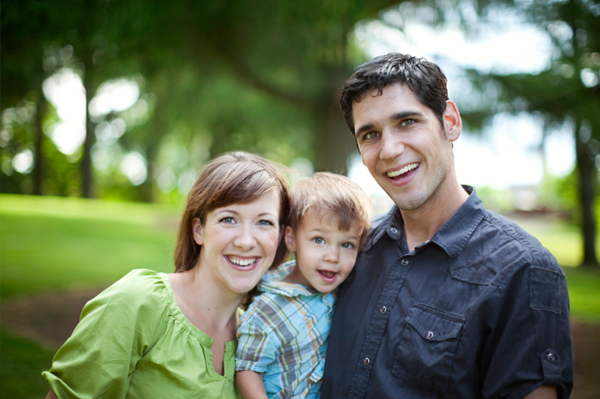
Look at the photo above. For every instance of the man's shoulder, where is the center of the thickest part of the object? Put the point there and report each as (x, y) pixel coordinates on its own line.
(498, 250)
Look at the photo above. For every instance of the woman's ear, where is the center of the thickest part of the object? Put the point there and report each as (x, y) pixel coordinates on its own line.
(290, 239)
(197, 231)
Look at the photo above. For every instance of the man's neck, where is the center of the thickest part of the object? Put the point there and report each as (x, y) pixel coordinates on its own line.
(422, 223)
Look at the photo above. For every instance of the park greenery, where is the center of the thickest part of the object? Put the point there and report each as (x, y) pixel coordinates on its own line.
(213, 76)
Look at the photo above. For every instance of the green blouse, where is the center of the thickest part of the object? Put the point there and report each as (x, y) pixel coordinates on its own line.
(133, 341)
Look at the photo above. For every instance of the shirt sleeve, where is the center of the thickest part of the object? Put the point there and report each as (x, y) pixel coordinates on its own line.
(257, 339)
(529, 341)
(117, 328)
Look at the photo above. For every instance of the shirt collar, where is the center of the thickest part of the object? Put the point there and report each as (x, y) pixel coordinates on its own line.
(454, 234)
(451, 237)
(272, 282)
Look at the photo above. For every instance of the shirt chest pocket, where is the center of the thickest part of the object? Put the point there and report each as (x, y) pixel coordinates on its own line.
(426, 352)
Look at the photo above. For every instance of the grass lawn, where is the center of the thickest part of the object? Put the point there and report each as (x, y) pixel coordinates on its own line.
(57, 243)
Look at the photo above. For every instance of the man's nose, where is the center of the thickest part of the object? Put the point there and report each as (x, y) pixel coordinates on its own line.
(391, 145)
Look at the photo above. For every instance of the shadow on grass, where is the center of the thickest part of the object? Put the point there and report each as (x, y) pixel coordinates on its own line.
(22, 363)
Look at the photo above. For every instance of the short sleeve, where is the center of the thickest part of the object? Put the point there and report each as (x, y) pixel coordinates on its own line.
(529, 341)
(257, 340)
(117, 328)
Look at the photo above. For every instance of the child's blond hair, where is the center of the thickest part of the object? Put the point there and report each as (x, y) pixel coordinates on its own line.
(328, 194)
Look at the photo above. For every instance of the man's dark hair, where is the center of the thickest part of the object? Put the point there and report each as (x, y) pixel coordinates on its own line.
(424, 78)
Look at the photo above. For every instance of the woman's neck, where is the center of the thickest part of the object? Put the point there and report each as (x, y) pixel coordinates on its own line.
(205, 304)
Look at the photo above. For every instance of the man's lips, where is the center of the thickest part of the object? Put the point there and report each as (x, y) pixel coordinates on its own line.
(242, 262)
(399, 174)
(328, 276)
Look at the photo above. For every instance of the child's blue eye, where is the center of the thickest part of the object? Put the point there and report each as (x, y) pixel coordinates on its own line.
(318, 240)
(347, 245)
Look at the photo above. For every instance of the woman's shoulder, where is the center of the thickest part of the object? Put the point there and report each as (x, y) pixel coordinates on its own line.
(138, 288)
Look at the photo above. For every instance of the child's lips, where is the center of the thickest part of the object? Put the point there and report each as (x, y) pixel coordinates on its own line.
(328, 276)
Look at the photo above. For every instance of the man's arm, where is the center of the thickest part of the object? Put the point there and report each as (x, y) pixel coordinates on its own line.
(250, 385)
(543, 392)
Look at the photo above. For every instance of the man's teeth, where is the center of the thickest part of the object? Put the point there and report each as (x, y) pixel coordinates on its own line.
(242, 262)
(405, 169)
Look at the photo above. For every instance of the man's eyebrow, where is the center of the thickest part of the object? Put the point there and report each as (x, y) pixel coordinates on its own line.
(394, 117)
(405, 114)
(363, 128)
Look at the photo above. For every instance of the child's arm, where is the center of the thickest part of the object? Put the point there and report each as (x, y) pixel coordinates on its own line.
(250, 384)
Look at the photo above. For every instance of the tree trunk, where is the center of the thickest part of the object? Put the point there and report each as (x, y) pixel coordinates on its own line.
(87, 175)
(39, 160)
(587, 178)
(333, 142)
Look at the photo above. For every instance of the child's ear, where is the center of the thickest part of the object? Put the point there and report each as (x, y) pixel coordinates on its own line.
(290, 239)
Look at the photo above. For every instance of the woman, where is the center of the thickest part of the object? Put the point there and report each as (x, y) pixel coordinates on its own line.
(156, 335)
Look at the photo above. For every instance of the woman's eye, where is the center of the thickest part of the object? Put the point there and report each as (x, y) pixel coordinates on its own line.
(318, 240)
(227, 219)
(347, 245)
(266, 223)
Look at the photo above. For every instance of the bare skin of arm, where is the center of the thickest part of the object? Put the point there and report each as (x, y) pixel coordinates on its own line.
(250, 384)
(543, 392)
(51, 395)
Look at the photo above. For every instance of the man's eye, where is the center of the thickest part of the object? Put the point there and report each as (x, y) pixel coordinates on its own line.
(407, 122)
(347, 245)
(318, 240)
(370, 135)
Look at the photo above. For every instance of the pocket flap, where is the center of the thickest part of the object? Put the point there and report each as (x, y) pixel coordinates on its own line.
(434, 325)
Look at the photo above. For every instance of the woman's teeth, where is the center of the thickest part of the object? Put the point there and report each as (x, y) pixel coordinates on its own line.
(405, 169)
(242, 262)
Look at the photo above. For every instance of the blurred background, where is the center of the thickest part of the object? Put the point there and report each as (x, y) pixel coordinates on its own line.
(109, 109)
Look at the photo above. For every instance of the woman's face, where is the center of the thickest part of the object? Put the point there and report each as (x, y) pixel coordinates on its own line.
(239, 242)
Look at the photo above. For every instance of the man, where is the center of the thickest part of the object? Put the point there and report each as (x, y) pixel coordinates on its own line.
(447, 299)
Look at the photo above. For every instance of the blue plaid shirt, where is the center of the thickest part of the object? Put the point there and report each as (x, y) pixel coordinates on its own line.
(283, 335)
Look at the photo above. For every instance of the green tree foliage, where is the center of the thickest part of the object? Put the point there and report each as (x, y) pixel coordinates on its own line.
(263, 76)
(567, 94)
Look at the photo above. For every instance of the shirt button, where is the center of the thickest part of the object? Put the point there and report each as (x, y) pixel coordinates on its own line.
(430, 335)
(382, 309)
(404, 262)
(366, 361)
(551, 357)
(394, 230)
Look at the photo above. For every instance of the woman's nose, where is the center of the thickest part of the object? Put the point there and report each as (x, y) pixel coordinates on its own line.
(245, 239)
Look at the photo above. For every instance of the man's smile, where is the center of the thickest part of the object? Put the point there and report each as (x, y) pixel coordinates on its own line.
(395, 173)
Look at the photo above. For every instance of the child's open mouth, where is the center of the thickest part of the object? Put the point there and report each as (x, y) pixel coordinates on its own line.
(328, 275)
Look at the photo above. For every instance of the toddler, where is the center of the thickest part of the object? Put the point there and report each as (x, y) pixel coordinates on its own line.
(282, 338)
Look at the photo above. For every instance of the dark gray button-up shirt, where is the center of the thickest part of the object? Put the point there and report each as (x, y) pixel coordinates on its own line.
(479, 311)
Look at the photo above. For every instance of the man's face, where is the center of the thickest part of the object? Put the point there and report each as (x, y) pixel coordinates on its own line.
(403, 145)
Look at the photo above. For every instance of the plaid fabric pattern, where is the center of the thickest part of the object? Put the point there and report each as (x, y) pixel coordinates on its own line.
(284, 336)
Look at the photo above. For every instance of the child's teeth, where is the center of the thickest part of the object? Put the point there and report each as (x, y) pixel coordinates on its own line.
(405, 169)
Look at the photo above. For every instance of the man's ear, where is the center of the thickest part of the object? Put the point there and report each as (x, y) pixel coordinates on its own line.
(290, 239)
(197, 231)
(452, 121)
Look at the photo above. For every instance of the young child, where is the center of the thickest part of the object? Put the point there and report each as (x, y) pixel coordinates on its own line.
(282, 339)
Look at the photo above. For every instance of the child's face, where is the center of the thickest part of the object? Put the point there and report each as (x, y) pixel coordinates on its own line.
(325, 255)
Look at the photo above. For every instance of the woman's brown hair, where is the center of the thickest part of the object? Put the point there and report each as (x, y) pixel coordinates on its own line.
(231, 178)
